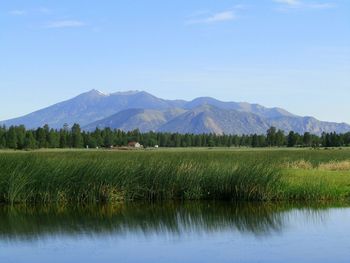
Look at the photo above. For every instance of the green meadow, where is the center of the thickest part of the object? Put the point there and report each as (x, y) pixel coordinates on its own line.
(114, 176)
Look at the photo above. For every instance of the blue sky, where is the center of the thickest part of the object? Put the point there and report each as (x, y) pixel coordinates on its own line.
(289, 53)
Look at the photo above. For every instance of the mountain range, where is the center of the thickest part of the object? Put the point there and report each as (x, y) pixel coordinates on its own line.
(139, 109)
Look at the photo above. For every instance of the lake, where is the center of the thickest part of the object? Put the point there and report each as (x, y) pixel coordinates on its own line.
(175, 232)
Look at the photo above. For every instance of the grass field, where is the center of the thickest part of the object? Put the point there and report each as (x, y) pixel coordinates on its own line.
(102, 176)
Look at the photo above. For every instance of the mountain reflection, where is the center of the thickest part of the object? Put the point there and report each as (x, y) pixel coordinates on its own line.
(33, 222)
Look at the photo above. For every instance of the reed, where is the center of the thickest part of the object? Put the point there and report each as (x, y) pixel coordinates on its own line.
(80, 178)
(120, 176)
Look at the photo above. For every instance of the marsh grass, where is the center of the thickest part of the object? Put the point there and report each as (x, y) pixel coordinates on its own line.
(110, 177)
(79, 178)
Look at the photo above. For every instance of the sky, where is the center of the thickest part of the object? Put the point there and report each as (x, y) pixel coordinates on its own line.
(293, 54)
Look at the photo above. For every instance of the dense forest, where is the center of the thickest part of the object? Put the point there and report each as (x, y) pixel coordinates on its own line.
(18, 137)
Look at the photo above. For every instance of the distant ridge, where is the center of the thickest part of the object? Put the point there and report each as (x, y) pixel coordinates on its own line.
(128, 110)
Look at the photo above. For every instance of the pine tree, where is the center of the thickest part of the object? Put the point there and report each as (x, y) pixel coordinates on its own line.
(255, 142)
(29, 141)
(292, 139)
(63, 134)
(41, 138)
(11, 139)
(53, 139)
(21, 134)
(2, 137)
(77, 139)
(307, 139)
(271, 136)
(91, 141)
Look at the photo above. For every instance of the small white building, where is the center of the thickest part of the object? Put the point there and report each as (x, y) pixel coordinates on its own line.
(134, 145)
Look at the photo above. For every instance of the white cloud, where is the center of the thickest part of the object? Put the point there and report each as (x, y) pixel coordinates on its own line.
(213, 18)
(17, 12)
(299, 4)
(65, 24)
(222, 16)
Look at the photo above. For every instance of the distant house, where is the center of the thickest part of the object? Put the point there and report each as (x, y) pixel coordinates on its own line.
(134, 145)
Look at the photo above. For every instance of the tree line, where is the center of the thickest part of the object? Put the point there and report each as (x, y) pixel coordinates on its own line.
(18, 137)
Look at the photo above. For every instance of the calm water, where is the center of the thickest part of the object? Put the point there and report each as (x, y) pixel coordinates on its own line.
(193, 232)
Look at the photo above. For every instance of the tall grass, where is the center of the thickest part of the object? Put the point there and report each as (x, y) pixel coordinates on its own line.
(107, 177)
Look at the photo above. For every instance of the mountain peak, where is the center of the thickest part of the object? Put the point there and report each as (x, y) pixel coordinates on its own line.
(96, 92)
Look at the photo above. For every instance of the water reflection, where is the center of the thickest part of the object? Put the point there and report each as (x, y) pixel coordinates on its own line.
(27, 223)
